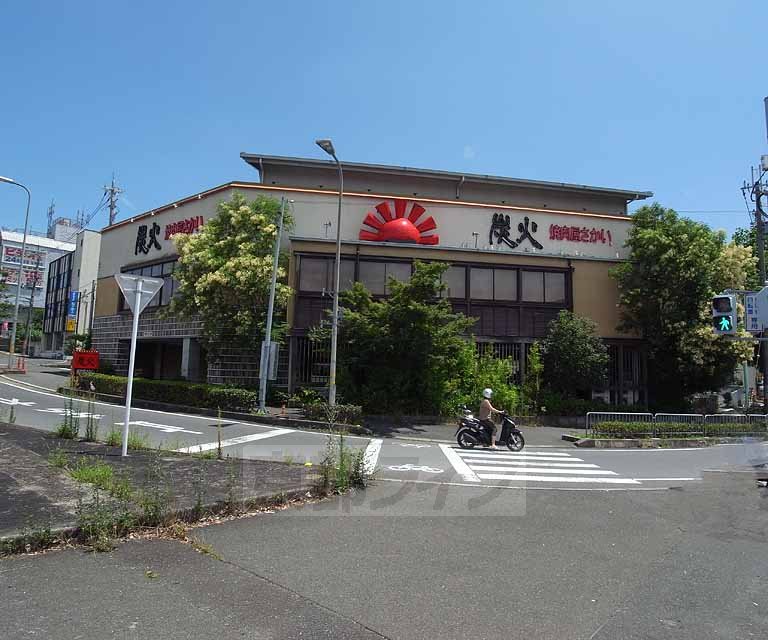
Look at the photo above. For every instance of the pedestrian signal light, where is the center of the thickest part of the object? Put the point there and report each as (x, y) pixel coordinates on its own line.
(724, 314)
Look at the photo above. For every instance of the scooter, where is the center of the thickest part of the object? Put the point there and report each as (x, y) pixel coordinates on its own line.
(470, 433)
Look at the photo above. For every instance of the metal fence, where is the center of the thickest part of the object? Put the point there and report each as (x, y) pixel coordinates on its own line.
(681, 424)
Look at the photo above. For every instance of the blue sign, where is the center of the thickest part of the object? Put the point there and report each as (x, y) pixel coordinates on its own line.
(72, 308)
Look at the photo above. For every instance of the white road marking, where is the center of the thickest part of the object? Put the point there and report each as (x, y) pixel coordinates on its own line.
(415, 467)
(417, 446)
(461, 467)
(208, 446)
(497, 476)
(522, 488)
(474, 457)
(663, 479)
(29, 384)
(536, 463)
(502, 452)
(74, 414)
(16, 401)
(371, 455)
(166, 428)
(529, 469)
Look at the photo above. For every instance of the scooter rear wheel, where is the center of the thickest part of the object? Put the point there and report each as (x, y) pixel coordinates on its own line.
(465, 440)
(515, 442)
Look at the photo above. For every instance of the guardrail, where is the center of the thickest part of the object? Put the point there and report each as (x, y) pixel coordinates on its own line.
(683, 424)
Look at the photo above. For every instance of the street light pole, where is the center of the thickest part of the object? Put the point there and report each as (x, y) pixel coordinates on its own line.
(12, 345)
(327, 146)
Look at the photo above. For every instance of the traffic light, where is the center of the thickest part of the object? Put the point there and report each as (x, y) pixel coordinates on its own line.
(724, 314)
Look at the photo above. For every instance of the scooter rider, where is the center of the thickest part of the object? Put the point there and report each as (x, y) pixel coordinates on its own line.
(485, 413)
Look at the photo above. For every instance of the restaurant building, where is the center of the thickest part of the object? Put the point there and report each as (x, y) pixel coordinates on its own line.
(519, 252)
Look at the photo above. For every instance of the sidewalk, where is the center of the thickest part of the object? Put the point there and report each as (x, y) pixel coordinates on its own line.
(445, 432)
(35, 494)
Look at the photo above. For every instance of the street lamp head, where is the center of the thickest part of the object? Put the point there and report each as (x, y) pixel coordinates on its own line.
(4, 179)
(327, 146)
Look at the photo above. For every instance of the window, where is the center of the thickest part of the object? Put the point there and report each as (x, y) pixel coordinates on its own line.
(316, 274)
(505, 284)
(554, 287)
(481, 283)
(533, 286)
(455, 282)
(313, 275)
(163, 270)
(374, 276)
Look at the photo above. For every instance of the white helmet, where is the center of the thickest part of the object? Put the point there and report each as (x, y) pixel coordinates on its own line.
(487, 393)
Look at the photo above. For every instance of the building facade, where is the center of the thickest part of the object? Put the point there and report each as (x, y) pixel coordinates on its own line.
(70, 292)
(40, 252)
(519, 252)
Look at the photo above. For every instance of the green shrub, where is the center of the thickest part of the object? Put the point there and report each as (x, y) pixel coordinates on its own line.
(671, 429)
(344, 413)
(191, 394)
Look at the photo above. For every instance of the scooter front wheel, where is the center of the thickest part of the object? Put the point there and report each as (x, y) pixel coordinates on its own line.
(515, 442)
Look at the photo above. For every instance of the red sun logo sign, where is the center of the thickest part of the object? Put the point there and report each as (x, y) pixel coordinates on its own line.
(397, 226)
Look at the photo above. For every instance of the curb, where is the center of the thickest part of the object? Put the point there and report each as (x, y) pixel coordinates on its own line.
(295, 423)
(63, 534)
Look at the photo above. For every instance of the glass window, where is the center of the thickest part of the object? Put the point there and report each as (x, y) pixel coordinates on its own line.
(346, 275)
(373, 276)
(554, 287)
(157, 270)
(313, 274)
(168, 268)
(505, 284)
(533, 286)
(165, 292)
(400, 271)
(455, 282)
(481, 284)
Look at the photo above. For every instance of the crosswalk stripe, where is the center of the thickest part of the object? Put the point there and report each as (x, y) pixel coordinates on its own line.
(498, 476)
(496, 452)
(583, 472)
(515, 456)
(461, 467)
(536, 463)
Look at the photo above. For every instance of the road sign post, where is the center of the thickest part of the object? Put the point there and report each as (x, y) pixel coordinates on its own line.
(138, 291)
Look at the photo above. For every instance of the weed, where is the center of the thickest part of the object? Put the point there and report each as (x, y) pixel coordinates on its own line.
(34, 537)
(120, 488)
(58, 458)
(341, 468)
(232, 502)
(69, 428)
(100, 521)
(114, 437)
(177, 530)
(92, 423)
(199, 478)
(138, 441)
(288, 459)
(204, 548)
(154, 500)
(95, 472)
(210, 454)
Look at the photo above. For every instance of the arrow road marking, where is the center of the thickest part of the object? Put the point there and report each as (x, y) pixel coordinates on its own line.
(74, 414)
(166, 428)
(208, 446)
(16, 401)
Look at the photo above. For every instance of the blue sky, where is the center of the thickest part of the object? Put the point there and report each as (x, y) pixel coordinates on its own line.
(660, 96)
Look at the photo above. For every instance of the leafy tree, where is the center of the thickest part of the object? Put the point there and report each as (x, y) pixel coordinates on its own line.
(534, 377)
(748, 238)
(407, 353)
(225, 270)
(575, 359)
(676, 265)
(5, 306)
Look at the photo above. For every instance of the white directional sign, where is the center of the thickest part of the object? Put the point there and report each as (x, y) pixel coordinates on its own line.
(752, 316)
(128, 285)
(138, 291)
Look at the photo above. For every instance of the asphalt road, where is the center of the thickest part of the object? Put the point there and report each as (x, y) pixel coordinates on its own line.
(395, 460)
(682, 564)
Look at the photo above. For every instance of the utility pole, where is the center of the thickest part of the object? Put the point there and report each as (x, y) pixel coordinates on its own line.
(51, 210)
(25, 346)
(113, 191)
